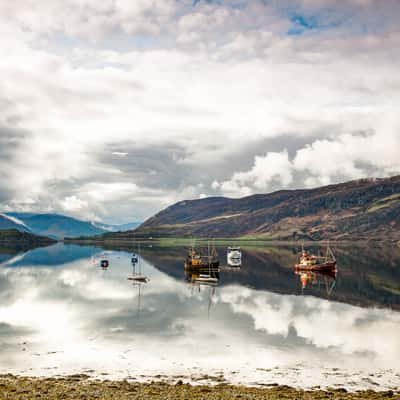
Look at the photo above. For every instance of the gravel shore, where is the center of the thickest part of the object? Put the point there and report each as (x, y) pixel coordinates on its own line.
(80, 387)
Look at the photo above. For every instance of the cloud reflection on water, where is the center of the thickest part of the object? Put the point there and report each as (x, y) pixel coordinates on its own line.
(79, 317)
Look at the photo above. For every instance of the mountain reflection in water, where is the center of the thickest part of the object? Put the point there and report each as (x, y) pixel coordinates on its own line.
(260, 323)
(367, 276)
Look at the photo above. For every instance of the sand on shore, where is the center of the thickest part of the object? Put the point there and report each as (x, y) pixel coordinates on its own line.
(81, 387)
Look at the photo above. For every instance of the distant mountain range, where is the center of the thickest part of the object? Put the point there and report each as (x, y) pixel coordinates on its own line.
(362, 209)
(57, 226)
(116, 228)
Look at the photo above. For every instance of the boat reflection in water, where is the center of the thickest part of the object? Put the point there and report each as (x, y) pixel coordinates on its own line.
(203, 276)
(207, 279)
(139, 285)
(234, 262)
(317, 279)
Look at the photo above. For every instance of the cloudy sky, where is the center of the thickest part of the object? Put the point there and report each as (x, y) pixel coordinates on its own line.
(114, 109)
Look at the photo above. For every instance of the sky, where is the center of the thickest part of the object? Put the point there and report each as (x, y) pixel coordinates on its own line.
(112, 110)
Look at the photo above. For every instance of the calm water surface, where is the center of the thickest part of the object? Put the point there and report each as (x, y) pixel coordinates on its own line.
(61, 313)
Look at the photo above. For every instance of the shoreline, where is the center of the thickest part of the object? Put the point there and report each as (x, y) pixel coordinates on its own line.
(255, 242)
(82, 386)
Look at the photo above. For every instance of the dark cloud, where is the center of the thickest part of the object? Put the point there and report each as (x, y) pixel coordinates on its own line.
(10, 140)
(165, 166)
(154, 166)
(10, 331)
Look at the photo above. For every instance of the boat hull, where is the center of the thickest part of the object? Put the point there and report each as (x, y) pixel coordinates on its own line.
(209, 280)
(138, 278)
(327, 266)
(213, 264)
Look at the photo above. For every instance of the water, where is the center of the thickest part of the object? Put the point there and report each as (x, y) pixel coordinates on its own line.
(60, 313)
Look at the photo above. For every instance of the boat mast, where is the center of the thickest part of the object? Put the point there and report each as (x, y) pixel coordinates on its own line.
(139, 305)
(329, 287)
(214, 251)
(209, 259)
(211, 293)
(139, 261)
(192, 247)
(327, 251)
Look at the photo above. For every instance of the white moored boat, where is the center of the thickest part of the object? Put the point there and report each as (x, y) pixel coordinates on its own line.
(234, 256)
(137, 273)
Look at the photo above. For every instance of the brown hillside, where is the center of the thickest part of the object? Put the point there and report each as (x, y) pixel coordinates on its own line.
(362, 209)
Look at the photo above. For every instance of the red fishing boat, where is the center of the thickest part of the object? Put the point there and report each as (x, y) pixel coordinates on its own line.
(311, 262)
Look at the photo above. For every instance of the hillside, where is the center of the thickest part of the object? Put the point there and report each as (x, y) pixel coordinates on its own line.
(56, 226)
(13, 238)
(362, 209)
(10, 222)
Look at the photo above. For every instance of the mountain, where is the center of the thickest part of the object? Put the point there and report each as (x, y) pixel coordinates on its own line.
(10, 222)
(117, 228)
(58, 226)
(55, 225)
(362, 209)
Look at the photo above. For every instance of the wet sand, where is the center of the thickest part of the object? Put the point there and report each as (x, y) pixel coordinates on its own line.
(81, 387)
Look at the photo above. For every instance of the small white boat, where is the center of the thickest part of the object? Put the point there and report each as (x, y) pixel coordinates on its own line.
(104, 261)
(101, 260)
(235, 262)
(234, 256)
(234, 252)
(137, 273)
(134, 258)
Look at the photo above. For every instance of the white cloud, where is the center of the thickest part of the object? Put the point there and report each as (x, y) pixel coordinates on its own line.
(322, 162)
(89, 18)
(73, 204)
(274, 167)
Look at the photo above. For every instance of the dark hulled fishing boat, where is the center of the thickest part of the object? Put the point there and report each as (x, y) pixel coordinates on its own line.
(196, 260)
